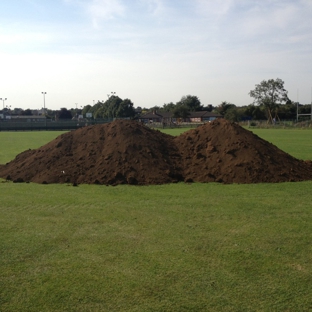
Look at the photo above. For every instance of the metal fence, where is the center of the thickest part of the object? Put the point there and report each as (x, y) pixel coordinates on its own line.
(279, 124)
(160, 125)
(8, 125)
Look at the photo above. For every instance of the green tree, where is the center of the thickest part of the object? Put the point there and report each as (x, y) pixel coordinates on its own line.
(270, 93)
(155, 109)
(113, 104)
(255, 112)
(125, 109)
(233, 114)
(114, 107)
(224, 106)
(181, 111)
(64, 113)
(288, 111)
(169, 107)
(208, 107)
(192, 103)
(27, 112)
(97, 109)
(86, 109)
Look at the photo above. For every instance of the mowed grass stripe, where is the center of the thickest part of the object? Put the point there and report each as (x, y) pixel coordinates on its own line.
(188, 245)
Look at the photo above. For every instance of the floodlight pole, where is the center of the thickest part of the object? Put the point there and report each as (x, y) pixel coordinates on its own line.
(45, 120)
(3, 100)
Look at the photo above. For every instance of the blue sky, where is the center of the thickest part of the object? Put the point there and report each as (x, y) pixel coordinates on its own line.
(152, 51)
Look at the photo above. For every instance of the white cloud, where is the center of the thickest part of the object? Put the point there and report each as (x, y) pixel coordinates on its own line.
(154, 7)
(213, 8)
(104, 9)
(266, 24)
(267, 19)
(100, 10)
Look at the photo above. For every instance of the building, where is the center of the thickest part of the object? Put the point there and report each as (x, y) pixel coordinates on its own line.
(19, 118)
(167, 117)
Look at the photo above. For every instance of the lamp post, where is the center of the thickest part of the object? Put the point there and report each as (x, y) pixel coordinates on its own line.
(44, 93)
(3, 100)
(45, 120)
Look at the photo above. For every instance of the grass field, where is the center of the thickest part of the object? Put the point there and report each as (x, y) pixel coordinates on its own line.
(13, 143)
(297, 142)
(177, 247)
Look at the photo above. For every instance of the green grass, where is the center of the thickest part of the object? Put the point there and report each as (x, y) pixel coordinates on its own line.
(13, 143)
(297, 143)
(175, 131)
(177, 247)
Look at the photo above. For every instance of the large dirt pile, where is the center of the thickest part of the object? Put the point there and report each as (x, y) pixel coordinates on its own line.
(116, 153)
(222, 151)
(126, 152)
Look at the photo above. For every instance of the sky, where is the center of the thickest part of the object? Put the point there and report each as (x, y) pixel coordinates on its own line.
(151, 51)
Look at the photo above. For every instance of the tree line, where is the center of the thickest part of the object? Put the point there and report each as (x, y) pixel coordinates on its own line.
(270, 102)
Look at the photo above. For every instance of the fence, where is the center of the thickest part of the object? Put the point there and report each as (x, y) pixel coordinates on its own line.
(9, 125)
(160, 125)
(279, 124)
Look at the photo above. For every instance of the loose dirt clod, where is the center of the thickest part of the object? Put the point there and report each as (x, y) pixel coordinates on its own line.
(126, 152)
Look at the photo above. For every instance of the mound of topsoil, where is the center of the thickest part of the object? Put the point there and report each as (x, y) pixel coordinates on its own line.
(126, 152)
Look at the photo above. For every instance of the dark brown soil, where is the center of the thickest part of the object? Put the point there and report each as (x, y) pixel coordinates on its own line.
(126, 152)
(222, 151)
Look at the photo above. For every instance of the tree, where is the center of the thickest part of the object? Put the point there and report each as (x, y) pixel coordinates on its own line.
(255, 112)
(26, 112)
(289, 110)
(233, 114)
(181, 111)
(192, 102)
(96, 109)
(224, 106)
(125, 109)
(169, 107)
(64, 113)
(113, 104)
(86, 109)
(113, 107)
(208, 107)
(270, 93)
(154, 109)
